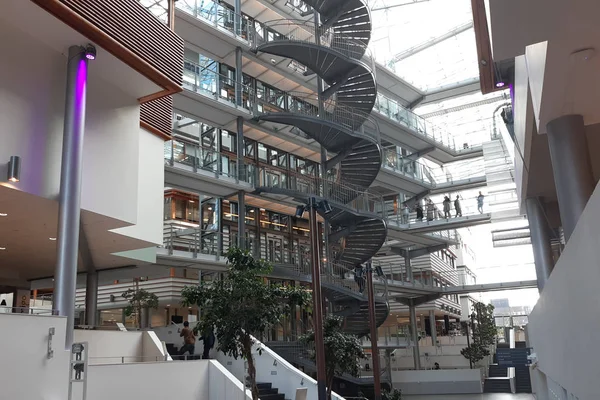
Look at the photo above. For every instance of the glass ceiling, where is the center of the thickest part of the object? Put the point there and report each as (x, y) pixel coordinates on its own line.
(428, 43)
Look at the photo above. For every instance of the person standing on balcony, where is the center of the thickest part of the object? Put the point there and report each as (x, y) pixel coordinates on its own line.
(405, 213)
(419, 210)
(447, 207)
(189, 340)
(430, 210)
(457, 207)
(480, 203)
(209, 342)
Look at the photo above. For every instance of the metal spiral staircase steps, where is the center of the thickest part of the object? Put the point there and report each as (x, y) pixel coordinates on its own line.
(343, 127)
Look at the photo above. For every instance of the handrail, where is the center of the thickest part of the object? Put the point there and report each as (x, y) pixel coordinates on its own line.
(304, 31)
(27, 310)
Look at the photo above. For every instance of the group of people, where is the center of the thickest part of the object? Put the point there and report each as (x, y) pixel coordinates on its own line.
(431, 210)
(189, 341)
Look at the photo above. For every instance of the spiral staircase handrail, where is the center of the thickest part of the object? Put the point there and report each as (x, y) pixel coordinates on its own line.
(299, 30)
(350, 117)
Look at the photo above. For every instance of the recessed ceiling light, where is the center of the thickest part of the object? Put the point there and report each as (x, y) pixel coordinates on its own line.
(3, 214)
(2, 248)
(53, 239)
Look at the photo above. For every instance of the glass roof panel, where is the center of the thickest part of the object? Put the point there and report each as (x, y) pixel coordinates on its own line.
(430, 43)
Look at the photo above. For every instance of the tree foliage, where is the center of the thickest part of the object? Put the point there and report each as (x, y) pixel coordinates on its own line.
(343, 351)
(241, 305)
(139, 299)
(483, 331)
(394, 394)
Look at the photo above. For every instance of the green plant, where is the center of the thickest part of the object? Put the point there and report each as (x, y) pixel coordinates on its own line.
(394, 394)
(241, 305)
(343, 351)
(139, 299)
(483, 331)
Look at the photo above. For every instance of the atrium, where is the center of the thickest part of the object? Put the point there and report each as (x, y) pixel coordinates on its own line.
(340, 199)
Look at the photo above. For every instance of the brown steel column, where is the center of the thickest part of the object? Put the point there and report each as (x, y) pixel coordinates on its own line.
(317, 299)
(373, 326)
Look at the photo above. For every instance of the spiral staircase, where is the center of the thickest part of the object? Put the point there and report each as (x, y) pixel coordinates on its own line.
(336, 51)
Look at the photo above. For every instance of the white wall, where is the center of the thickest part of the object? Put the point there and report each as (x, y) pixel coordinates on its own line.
(438, 382)
(564, 323)
(270, 367)
(25, 371)
(535, 55)
(122, 163)
(111, 347)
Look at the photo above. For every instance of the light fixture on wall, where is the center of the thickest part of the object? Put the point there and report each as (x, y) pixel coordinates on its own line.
(90, 52)
(14, 169)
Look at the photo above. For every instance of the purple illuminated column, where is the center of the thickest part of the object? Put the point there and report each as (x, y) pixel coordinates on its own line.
(65, 275)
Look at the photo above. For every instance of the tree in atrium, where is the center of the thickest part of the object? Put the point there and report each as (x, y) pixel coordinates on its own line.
(241, 305)
(139, 300)
(483, 331)
(343, 351)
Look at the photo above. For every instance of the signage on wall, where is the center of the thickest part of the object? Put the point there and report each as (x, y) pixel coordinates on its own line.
(22, 301)
(513, 357)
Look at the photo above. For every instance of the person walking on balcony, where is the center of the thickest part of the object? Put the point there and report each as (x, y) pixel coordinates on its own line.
(457, 207)
(419, 210)
(447, 207)
(405, 213)
(189, 340)
(480, 203)
(430, 210)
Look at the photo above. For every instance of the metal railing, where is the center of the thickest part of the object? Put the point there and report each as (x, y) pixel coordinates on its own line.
(204, 159)
(299, 30)
(306, 104)
(213, 12)
(27, 310)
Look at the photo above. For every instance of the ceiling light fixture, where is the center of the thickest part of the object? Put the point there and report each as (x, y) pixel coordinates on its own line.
(2, 248)
(52, 238)
(3, 215)
(500, 84)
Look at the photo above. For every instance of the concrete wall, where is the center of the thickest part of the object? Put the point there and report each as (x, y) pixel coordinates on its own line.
(116, 347)
(562, 326)
(122, 163)
(270, 367)
(25, 371)
(438, 382)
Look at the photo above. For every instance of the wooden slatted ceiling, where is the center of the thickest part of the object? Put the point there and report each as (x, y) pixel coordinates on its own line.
(156, 116)
(137, 29)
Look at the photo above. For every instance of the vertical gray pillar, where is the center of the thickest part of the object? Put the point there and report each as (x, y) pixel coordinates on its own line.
(242, 219)
(238, 76)
(65, 275)
(572, 168)
(91, 298)
(415, 336)
(241, 171)
(218, 140)
(540, 241)
(408, 267)
(433, 327)
(237, 9)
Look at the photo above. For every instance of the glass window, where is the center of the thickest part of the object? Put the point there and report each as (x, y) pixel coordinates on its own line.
(282, 160)
(249, 148)
(228, 141)
(262, 152)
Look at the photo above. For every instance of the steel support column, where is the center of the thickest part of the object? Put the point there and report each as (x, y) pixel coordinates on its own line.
(317, 299)
(373, 328)
(242, 220)
(91, 298)
(241, 170)
(415, 336)
(408, 267)
(572, 168)
(433, 327)
(65, 275)
(238, 76)
(237, 17)
(540, 241)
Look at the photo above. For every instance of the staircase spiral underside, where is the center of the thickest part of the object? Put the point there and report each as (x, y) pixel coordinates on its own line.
(343, 126)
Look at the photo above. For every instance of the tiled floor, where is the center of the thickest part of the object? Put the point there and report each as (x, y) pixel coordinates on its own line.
(486, 396)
